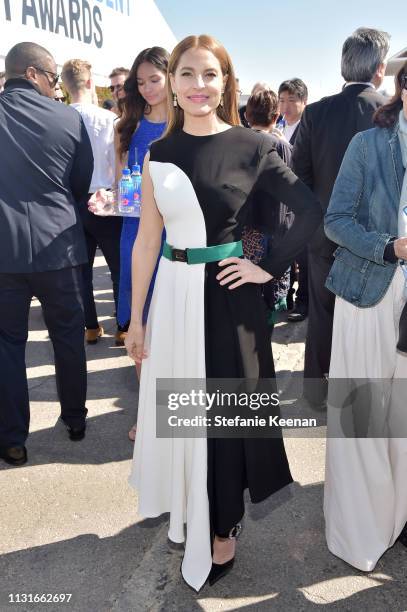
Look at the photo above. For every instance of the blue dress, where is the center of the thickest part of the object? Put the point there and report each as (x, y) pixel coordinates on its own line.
(141, 140)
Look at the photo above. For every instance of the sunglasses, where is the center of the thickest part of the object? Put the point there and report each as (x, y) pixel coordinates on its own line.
(62, 99)
(114, 87)
(55, 76)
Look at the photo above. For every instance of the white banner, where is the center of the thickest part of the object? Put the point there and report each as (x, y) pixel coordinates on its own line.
(107, 33)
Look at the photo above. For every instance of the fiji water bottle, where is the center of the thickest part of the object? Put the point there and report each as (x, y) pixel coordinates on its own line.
(281, 123)
(136, 178)
(126, 205)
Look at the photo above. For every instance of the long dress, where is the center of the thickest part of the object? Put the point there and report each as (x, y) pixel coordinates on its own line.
(141, 140)
(365, 500)
(205, 188)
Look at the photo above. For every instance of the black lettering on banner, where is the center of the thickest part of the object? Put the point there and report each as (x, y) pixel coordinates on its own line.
(84, 22)
(87, 22)
(74, 17)
(61, 18)
(7, 9)
(97, 19)
(47, 15)
(29, 10)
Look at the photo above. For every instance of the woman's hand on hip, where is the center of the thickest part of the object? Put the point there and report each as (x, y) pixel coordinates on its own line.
(134, 342)
(240, 271)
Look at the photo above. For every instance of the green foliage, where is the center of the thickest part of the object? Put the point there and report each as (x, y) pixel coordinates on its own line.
(103, 94)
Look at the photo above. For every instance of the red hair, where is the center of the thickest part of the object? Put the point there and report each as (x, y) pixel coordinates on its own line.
(228, 112)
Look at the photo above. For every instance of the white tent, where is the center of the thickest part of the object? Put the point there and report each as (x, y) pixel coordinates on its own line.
(107, 33)
(396, 62)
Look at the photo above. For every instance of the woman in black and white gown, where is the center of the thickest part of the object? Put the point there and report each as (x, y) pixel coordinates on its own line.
(207, 319)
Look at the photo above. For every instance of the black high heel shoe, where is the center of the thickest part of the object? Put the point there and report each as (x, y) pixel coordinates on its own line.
(219, 570)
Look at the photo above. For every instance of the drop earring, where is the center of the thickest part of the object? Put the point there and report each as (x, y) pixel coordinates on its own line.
(174, 100)
(221, 100)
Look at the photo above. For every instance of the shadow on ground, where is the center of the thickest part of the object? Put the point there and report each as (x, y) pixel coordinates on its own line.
(282, 558)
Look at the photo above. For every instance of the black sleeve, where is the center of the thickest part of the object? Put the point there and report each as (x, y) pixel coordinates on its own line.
(389, 252)
(301, 159)
(82, 167)
(284, 186)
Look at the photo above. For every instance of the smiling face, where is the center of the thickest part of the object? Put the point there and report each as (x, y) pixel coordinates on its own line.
(198, 82)
(151, 84)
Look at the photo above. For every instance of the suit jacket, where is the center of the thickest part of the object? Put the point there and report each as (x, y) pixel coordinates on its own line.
(46, 165)
(294, 136)
(323, 136)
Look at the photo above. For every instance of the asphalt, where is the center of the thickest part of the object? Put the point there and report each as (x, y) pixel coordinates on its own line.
(69, 522)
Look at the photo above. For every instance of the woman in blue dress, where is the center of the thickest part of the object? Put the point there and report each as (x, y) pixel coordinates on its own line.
(143, 120)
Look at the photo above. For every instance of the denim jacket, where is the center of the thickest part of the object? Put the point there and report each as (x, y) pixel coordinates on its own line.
(363, 216)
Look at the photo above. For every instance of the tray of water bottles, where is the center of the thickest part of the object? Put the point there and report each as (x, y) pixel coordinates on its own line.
(125, 201)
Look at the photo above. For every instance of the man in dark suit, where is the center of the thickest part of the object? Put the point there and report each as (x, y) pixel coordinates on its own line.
(46, 165)
(325, 131)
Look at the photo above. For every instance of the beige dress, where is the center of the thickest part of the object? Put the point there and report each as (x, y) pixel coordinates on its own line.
(365, 502)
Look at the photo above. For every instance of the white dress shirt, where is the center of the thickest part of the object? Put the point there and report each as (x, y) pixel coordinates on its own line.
(99, 125)
(359, 83)
(288, 130)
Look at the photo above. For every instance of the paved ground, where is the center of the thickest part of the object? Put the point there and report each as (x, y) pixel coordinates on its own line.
(69, 523)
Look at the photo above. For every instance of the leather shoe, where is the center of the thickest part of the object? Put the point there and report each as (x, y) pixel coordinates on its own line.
(75, 433)
(298, 314)
(219, 570)
(92, 335)
(120, 337)
(14, 455)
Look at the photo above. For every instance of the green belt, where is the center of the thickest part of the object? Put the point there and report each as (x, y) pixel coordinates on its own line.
(203, 254)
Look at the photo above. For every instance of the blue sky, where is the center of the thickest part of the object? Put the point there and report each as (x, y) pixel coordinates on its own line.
(271, 41)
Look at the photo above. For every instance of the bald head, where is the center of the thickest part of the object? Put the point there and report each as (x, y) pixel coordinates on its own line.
(26, 54)
(30, 61)
(260, 86)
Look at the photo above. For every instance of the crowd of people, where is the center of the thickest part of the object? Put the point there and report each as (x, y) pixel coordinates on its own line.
(245, 211)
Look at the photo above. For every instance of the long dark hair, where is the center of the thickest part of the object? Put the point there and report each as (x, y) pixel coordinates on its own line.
(228, 112)
(133, 106)
(388, 114)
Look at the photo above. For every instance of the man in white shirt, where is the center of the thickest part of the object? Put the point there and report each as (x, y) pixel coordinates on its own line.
(102, 232)
(292, 99)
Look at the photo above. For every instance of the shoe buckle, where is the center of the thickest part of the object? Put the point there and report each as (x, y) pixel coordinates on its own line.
(235, 531)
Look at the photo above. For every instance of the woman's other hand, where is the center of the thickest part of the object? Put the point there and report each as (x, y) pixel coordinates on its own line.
(400, 248)
(102, 203)
(134, 342)
(241, 271)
